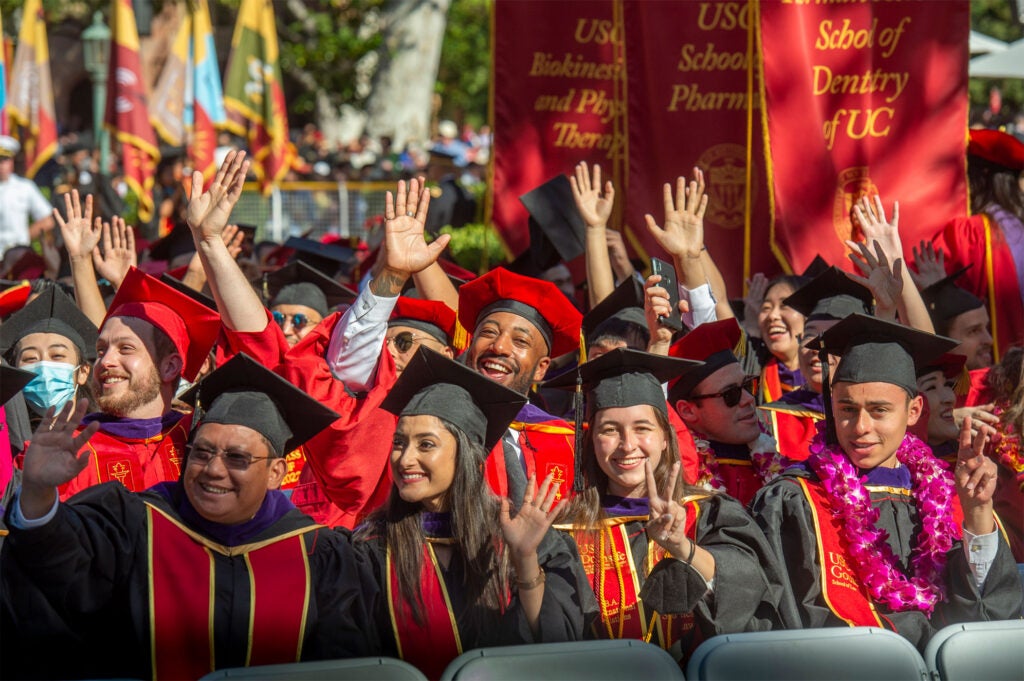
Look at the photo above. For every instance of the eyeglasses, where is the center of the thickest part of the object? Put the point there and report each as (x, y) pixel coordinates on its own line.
(299, 321)
(236, 461)
(404, 341)
(732, 395)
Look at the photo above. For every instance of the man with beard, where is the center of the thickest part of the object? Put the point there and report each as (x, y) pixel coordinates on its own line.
(152, 337)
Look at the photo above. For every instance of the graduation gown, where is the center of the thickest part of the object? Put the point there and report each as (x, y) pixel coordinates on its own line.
(786, 516)
(793, 421)
(134, 452)
(667, 601)
(566, 609)
(135, 586)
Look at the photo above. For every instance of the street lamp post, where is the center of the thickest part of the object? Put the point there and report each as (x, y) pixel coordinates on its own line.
(96, 48)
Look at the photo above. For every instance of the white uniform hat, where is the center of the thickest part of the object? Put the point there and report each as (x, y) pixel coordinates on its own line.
(9, 147)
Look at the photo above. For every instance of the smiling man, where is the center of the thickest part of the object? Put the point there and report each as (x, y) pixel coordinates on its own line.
(716, 402)
(873, 529)
(215, 570)
(151, 338)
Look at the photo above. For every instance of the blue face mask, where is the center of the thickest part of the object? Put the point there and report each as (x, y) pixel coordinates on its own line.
(53, 385)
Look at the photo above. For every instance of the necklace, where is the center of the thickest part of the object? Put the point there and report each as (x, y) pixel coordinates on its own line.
(1008, 453)
(766, 461)
(873, 560)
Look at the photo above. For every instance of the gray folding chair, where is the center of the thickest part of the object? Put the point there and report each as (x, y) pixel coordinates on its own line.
(363, 668)
(837, 654)
(977, 651)
(583, 660)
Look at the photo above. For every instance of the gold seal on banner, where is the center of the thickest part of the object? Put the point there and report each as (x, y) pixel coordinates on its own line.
(851, 185)
(724, 167)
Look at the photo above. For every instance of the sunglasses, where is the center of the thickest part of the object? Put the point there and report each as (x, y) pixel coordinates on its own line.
(299, 321)
(404, 341)
(236, 461)
(732, 395)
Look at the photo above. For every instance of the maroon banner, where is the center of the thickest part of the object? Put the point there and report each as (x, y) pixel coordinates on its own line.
(863, 98)
(690, 79)
(557, 73)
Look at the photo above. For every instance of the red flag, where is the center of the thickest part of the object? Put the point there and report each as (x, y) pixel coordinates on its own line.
(31, 101)
(126, 116)
(863, 98)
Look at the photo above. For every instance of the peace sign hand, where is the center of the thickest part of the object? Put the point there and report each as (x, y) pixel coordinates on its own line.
(667, 526)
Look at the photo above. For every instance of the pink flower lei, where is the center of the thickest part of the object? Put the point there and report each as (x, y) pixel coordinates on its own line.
(768, 464)
(872, 559)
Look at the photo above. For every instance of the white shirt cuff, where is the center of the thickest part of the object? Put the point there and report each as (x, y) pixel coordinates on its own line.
(20, 522)
(702, 305)
(980, 551)
(357, 339)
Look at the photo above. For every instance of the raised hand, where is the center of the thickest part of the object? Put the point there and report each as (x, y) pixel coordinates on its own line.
(871, 217)
(118, 254)
(886, 284)
(208, 211)
(657, 304)
(233, 239)
(617, 255)
(405, 250)
(595, 209)
(975, 475)
(757, 286)
(79, 231)
(683, 235)
(981, 414)
(537, 513)
(667, 526)
(52, 457)
(930, 263)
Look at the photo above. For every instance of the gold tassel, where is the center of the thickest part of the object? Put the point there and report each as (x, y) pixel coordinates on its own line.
(963, 382)
(460, 341)
(741, 346)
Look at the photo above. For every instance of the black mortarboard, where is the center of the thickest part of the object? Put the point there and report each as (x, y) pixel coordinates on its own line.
(945, 300)
(277, 288)
(437, 386)
(872, 350)
(625, 303)
(830, 295)
(178, 242)
(625, 378)
(12, 381)
(557, 231)
(195, 295)
(53, 311)
(817, 267)
(328, 258)
(245, 393)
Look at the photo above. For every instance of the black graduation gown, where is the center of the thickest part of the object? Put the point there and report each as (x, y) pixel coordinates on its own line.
(76, 593)
(785, 516)
(748, 593)
(566, 610)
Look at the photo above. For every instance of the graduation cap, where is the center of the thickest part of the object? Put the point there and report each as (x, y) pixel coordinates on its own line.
(557, 231)
(997, 147)
(328, 258)
(538, 301)
(624, 305)
(945, 300)
(713, 343)
(830, 295)
(52, 311)
(29, 265)
(242, 392)
(429, 316)
(437, 386)
(178, 242)
(181, 287)
(13, 295)
(191, 326)
(816, 268)
(299, 284)
(12, 381)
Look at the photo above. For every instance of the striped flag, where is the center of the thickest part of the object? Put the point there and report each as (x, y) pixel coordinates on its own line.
(188, 103)
(30, 105)
(253, 93)
(126, 116)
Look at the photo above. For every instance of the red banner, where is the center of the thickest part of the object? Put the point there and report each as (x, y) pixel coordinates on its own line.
(690, 80)
(557, 71)
(863, 98)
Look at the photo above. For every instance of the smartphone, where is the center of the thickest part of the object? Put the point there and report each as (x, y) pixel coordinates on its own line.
(670, 283)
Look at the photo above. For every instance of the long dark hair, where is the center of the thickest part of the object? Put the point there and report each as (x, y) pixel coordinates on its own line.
(1006, 380)
(993, 183)
(477, 542)
(585, 510)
